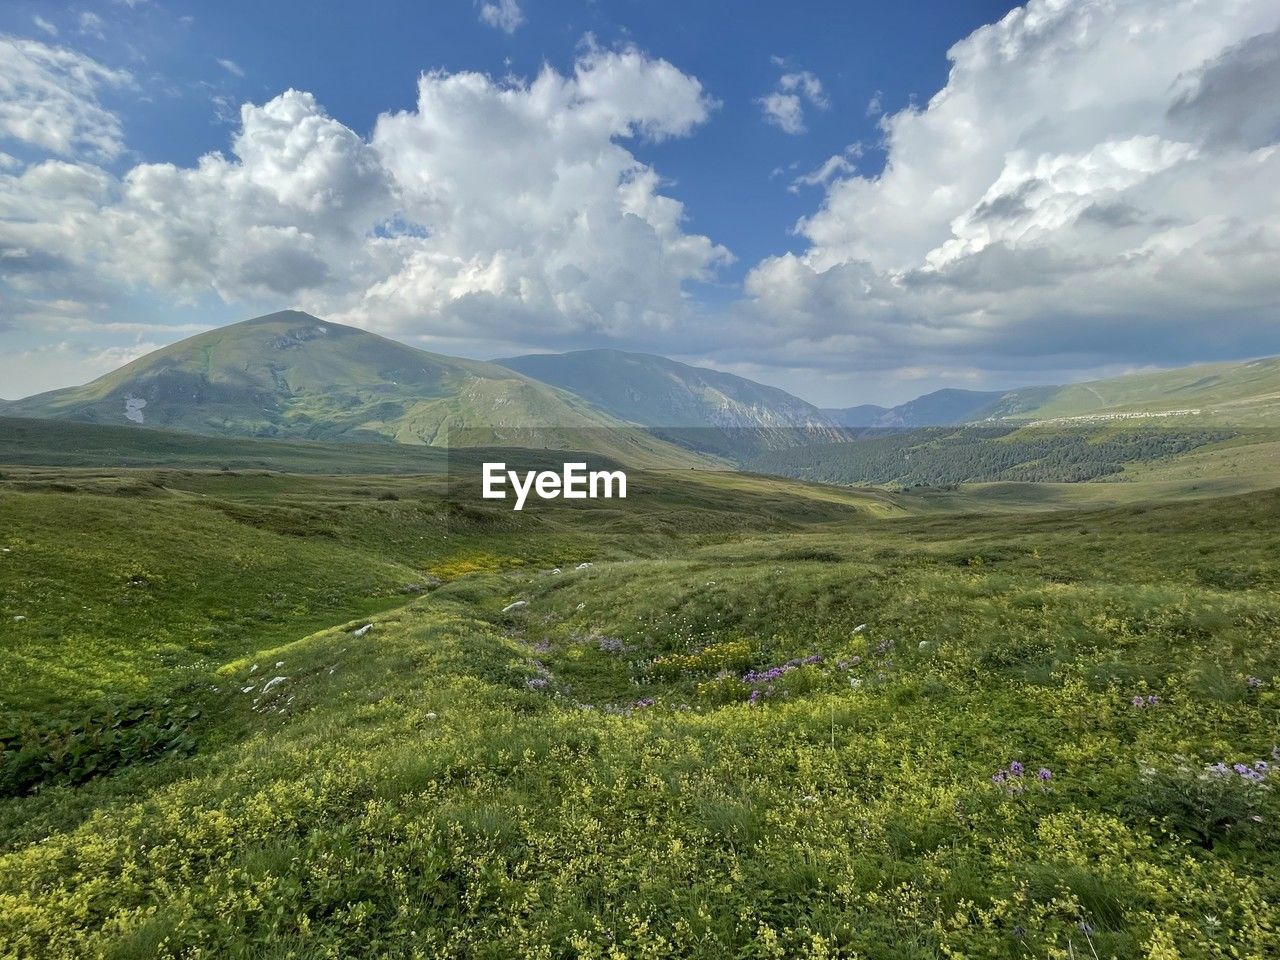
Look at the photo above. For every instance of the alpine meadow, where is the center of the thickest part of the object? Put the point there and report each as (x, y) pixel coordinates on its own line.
(623, 482)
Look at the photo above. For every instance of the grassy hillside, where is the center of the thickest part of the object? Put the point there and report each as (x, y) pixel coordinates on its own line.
(290, 375)
(709, 410)
(941, 456)
(1236, 394)
(768, 719)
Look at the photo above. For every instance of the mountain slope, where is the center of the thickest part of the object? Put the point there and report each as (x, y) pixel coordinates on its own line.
(291, 375)
(1239, 393)
(706, 409)
(941, 408)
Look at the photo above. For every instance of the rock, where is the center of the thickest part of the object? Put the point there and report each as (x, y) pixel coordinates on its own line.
(585, 566)
(518, 605)
(273, 682)
(19, 619)
(360, 632)
(279, 664)
(254, 668)
(859, 628)
(556, 570)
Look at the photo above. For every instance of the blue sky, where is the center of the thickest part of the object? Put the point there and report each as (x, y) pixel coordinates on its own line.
(790, 255)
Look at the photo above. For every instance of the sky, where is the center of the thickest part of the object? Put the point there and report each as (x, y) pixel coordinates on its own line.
(857, 202)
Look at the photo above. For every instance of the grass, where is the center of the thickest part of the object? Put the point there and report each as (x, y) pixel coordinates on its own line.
(763, 721)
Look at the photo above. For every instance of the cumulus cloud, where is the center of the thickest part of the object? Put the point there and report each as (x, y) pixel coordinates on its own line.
(492, 210)
(784, 106)
(504, 15)
(1094, 184)
(49, 98)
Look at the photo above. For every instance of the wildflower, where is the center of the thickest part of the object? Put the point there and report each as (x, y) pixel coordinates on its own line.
(536, 683)
(1016, 768)
(1085, 928)
(1240, 768)
(1218, 769)
(1044, 774)
(644, 702)
(1261, 765)
(1252, 682)
(997, 777)
(1275, 753)
(1139, 702)
(857, 660)
(1153, 700)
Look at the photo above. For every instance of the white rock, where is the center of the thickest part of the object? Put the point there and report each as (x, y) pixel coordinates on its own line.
(19, 618)
(431, 716)
(254, 668)
(362, 631)
(279, 664)
(248, 689)
(273, 682)
(518, 605)
(584, 566)
(581, 606)
(859, 628)
(556, 570)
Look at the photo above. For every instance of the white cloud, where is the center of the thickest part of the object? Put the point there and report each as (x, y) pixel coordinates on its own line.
(49, 99)
(504, 15)
(231, 67)
(44, 25)
(837, 165)
(91, 24)
(1095, 184)
(784, 107)
(493, 210)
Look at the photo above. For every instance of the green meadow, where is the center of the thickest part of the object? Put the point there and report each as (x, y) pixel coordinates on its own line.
(355, 711)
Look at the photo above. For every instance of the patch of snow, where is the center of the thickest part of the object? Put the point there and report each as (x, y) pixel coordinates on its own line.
(133, 409)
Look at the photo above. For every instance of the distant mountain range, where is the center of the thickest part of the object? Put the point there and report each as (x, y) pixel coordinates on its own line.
(940, 408)
(705, 409)
(292, 375)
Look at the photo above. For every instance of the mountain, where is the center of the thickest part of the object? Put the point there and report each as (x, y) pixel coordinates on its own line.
(705, 409)
(292, 375)
(937, 409)
(1237, 393)
(863, 415)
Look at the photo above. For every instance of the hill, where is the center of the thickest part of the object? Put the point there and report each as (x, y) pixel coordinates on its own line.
(1239, 393)
(293, 376)
(705, 409)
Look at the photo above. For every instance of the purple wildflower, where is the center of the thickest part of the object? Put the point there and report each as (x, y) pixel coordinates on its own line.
(536, 683)
(1153, 700)
(1044, 774)
(1138, 702)
(1016, 768)
(1240, 768)
(644, 702)
(997, 777)
(812, 659)
(1252, 682)
(1218, 769)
